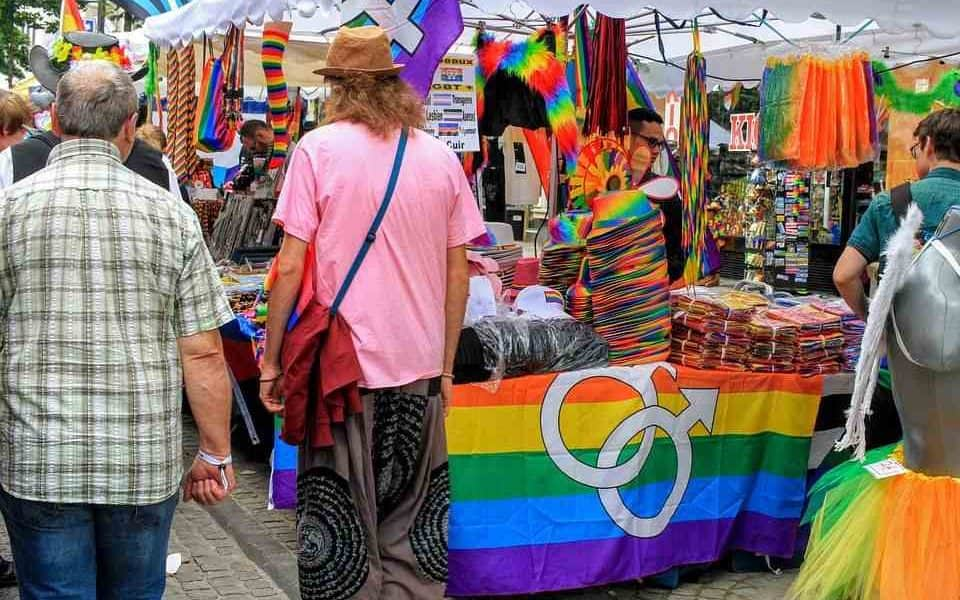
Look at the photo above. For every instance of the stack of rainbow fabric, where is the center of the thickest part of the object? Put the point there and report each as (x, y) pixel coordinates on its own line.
(712, 331)
(629, 284)
(853, 328)
(820, 342)
(773, 345)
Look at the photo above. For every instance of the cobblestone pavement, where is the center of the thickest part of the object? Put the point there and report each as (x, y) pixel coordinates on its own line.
(242, 550)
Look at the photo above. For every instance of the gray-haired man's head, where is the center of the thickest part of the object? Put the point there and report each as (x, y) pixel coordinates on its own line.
(97, 100)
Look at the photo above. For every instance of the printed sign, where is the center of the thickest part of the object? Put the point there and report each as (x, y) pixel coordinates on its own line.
(744, 132)
(452, 104)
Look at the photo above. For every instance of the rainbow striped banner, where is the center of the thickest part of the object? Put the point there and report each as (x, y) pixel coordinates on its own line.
(582, 479)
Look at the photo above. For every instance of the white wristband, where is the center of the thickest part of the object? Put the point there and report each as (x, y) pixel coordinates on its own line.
(220, 463)
(213, 460)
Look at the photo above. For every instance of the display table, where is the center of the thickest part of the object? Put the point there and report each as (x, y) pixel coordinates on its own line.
(558, 483)
(244, 222)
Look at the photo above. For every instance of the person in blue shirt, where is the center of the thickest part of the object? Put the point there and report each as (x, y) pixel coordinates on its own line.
(936, 150)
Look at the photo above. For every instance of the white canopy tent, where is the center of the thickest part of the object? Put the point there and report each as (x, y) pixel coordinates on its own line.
(892, 15)
(895, 30)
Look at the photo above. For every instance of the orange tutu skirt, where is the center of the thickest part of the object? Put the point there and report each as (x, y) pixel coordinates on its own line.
(889, 539)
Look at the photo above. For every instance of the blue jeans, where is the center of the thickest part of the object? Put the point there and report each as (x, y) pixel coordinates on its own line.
(87, 551)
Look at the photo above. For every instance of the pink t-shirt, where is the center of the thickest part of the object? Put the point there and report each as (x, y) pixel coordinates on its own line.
(395, 306)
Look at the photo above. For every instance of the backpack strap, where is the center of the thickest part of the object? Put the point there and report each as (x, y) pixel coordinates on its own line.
(900, 200)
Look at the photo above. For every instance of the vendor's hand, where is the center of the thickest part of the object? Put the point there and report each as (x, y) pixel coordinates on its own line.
(270, 378)
(203, 484)
(446, 394)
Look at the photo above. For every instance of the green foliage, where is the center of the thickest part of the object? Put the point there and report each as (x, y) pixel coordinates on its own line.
(17, 19)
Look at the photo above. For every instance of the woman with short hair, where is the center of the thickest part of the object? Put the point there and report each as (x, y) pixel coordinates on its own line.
(16, 119)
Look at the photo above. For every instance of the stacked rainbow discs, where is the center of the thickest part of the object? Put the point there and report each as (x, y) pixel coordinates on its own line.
(628, 280)
(562, 258)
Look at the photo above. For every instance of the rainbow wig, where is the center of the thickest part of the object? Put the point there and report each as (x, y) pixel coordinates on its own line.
(534, 62)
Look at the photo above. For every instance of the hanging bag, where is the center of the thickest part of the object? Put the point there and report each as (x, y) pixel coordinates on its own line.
(212, 128)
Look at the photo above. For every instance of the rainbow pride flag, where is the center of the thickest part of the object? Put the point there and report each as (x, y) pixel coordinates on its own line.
(70, 18)
(582, 479)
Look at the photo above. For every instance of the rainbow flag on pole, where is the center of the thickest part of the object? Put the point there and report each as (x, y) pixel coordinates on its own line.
(70, 17)
(587, 478)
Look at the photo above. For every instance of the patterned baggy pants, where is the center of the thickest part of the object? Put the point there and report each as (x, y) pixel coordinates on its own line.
(372, 509)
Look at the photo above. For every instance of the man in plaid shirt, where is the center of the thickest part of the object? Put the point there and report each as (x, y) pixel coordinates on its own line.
(109, 301)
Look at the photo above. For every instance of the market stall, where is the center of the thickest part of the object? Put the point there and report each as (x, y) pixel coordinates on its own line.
(606, 427)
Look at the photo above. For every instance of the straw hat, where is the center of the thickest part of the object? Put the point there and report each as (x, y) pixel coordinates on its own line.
(360, 50)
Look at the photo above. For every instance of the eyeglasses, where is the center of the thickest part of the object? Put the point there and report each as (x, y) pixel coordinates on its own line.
(652, 141)
(915, 150)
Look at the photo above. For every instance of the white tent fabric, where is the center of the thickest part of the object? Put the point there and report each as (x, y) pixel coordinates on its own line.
(940, 16)
(929, 17)
(190, 22)
(898, 35)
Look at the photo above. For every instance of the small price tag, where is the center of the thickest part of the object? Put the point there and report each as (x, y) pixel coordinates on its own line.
(886, 469)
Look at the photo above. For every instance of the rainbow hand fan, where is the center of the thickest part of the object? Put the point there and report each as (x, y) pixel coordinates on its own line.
(603, 166)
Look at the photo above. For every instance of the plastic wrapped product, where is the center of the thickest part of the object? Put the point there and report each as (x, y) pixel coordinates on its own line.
(515, 346)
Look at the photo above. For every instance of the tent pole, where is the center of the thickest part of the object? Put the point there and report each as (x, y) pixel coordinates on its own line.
(552, 194)
(860, 30)
(101, 16)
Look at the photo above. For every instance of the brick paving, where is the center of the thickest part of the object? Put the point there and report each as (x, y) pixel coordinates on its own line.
(240, 550)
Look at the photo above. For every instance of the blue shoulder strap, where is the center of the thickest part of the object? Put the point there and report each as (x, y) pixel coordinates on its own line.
(375, 226)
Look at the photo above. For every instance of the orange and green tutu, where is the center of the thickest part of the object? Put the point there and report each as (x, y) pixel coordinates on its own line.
(896, 538)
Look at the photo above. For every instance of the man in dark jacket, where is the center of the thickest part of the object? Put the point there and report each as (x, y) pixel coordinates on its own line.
(29, 156)
(646, 129)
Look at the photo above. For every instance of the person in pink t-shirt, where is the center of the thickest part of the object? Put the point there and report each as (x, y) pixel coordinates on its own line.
(373, 507)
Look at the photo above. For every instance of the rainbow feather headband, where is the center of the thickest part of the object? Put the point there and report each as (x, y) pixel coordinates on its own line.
(533, 62)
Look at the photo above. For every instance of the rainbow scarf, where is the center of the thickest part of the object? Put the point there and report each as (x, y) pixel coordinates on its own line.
(534, 62)
(694, 147)
(275, 38)
(531, 511)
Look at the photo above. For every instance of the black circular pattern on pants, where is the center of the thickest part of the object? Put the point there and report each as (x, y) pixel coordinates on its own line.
(428, 536)
(332, 550)
(397, 446)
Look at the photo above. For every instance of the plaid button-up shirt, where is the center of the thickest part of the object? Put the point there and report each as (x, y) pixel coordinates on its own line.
(100, 272)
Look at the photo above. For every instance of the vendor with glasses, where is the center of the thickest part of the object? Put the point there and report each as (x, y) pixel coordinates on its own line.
(647, 143)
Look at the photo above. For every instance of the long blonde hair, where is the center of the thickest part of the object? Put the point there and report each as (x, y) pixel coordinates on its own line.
(382, 104)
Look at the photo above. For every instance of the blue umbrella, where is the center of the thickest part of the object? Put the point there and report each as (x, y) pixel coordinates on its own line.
(142, 9)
